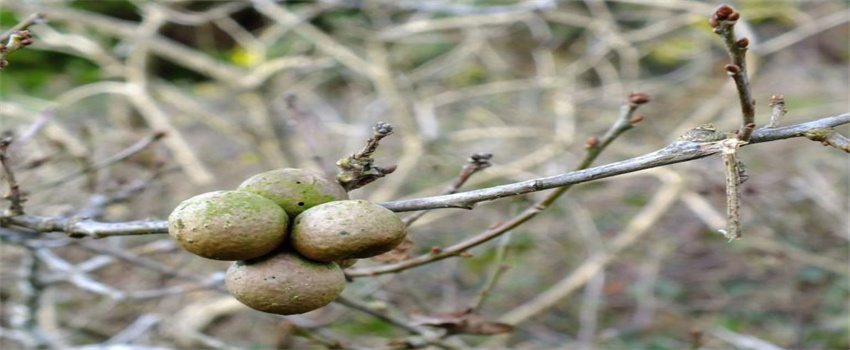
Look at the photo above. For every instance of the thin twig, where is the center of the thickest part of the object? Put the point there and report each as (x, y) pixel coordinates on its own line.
(120, 156)
(777, 106)
(32, 290)
(16, 207)
(734, 178)
(499, 267)
(98, 202)
(723, 20)
(829, 137)
(626, 121)
(476, 163)
(17, 41)
(300, 121)
(675, 152)
(641, 224)
(34, 18)
(426, 335)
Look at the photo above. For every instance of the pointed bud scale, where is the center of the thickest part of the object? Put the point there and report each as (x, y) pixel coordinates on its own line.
(732, 68)
(636, 119)
(713, 22)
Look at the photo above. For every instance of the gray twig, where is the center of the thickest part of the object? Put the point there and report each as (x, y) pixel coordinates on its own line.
(15, 197)
(120, 156)
(34, 18)
(676, 152)
(777, 106)
(723, 21)
(476, 163)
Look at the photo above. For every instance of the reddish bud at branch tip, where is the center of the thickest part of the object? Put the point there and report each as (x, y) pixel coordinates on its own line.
(592, 141)
(723, 11)
(638, 98)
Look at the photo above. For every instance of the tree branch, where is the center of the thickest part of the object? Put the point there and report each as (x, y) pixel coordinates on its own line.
(34, 18)
(676, 152)
(723, 21)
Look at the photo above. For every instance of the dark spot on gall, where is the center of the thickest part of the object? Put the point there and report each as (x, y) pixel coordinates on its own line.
(300, 204)
(343, 233)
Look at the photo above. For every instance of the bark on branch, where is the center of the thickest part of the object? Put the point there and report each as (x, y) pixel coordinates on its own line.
(676, 152)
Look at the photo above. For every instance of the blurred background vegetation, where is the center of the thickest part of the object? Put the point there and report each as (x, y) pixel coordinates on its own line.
(528, 81)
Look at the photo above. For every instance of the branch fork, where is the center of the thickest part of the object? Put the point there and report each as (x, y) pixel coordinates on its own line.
(359, 169)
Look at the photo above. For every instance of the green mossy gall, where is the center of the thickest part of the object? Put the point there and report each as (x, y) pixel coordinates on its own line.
(295, 190)
(228, 225)
(284, 283)
(348, 229)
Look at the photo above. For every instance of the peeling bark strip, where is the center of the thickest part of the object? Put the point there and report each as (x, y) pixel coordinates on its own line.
(734, 178)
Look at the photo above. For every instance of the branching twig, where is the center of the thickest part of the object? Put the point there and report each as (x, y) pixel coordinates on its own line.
(427, 336)
(300, 121)
(15, 197)
(723, 21)
(595, 146)
(676, 152)
(18, 40)
(476, 163)
(120, 156)
(359, 169)
(777, 106)
(829, 137)
(34, 18)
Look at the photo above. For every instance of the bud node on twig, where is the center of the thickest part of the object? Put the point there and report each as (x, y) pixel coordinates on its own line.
(732, 68)
(638, 98)
(723, 11)
(637, 118)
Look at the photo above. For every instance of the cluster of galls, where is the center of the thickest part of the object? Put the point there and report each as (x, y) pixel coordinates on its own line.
(291, 231)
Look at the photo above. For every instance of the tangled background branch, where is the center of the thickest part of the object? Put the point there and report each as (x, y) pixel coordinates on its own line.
(117, 111)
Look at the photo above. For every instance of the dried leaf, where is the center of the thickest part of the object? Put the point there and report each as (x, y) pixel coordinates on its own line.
(463, 322)
(399, 253)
